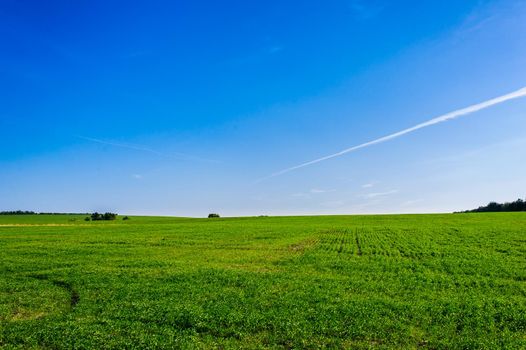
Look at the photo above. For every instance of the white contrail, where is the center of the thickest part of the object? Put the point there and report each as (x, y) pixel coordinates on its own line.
(122, 145)
(443, 118)
(177, 155)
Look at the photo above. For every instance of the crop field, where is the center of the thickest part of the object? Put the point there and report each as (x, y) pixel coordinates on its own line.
(448, 281)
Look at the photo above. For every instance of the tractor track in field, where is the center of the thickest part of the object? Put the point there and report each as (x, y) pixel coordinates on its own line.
(358, 245)
(304, 245)
(74, 294)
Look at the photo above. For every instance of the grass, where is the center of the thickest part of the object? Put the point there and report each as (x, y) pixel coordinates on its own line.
(383, 282)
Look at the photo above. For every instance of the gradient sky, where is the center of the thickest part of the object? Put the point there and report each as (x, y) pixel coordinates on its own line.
(181, 107)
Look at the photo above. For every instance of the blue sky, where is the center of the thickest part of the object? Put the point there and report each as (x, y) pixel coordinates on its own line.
(181, 107)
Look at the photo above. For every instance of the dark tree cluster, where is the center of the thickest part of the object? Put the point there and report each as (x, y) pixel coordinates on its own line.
(17, 212)
(213, 215)
(28, 212)
(62, 213)
(518, 205)
(101, 217)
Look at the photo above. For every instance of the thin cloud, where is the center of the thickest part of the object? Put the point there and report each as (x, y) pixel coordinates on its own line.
(380, 194)
(332, 204)
(317, 190)
(440, 119)
(311, 192)
(412, 202)
(274, 49)
(369, 185)
(462, 157)
(177, 155)
(364, 10)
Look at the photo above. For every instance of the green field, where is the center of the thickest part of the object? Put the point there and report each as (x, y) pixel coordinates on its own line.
(452, 281)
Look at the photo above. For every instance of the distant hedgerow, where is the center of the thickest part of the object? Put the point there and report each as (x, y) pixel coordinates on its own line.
(100, 217)
(17, 212)
(518, 205)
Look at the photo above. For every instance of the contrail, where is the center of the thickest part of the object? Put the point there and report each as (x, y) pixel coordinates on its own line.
(181, 156)
(440, 119)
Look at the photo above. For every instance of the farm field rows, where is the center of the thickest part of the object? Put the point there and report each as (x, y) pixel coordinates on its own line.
(444, 281)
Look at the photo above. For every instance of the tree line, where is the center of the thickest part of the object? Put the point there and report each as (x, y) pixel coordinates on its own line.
(103, 217)
(91, 217)
(28, 212)
(518, 205)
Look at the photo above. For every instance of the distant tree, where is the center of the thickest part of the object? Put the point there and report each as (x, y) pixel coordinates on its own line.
(109, 216)
(106, 216)
(27, 212)
(17, 212)
(125, 218)
(87, 218)
(518, 205)
(213, 215)
(494, 206)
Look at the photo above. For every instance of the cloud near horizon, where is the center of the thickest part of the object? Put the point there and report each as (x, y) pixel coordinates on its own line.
(380, 194)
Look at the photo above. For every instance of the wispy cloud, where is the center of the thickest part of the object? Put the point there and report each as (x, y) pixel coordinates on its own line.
(333, 204)
(176, 155)
(516, 143)
(380, 194)
(274, 49)
(311, 192)
(317, 190)
(137, 176)
(440, 119)
(300, 195)
(363, 9)
(412, 202)
(369, 185)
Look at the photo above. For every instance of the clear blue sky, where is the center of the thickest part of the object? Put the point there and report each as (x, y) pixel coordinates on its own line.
(179, 107)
